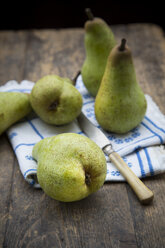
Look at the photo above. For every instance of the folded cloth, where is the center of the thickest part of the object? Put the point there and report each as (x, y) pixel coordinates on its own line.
(141, 148)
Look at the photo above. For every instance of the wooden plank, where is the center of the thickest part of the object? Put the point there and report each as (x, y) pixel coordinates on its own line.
(54, 52)
(149, 221)
(101, 220)
(148, 45)
(6, 172)
(12, 47)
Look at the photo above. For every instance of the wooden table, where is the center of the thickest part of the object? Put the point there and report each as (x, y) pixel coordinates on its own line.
(112, 217)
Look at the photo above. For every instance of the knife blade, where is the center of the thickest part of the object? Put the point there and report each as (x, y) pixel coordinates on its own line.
(144, 194)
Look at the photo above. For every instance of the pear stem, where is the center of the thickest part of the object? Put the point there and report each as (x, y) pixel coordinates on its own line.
(89, 14)
(122, 45)
(75, 78)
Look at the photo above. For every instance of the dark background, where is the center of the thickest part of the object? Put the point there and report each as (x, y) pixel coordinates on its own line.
(64, 14)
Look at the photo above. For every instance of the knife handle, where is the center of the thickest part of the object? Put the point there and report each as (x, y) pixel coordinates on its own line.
(144, 194)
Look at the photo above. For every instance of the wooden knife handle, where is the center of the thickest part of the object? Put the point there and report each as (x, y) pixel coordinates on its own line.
(144, 194)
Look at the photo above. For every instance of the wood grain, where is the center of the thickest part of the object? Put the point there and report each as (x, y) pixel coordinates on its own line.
(12, 52)
(112, 217)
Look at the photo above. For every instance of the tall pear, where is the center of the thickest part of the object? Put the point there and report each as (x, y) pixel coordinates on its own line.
(13, 107)
(99, 41)
(120, 103)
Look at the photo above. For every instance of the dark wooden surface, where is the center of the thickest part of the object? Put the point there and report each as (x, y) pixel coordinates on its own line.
(112, 217)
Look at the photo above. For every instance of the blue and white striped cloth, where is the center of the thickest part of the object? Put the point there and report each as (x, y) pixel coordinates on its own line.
(142, 148)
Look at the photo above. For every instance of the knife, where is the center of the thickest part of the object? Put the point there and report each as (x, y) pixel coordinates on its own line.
(144, 194)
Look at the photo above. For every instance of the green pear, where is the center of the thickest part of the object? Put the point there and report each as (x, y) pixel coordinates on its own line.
(56, 100)
(13, 107)
(99, 41)
(120, 103)
(70, 166)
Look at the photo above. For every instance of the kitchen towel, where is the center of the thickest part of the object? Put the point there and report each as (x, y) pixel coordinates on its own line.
(142, 148)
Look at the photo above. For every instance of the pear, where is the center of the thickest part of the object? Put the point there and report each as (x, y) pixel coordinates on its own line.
(99, 41)
(13, 107)
(55, 100)
(120, 103)
(70, 166)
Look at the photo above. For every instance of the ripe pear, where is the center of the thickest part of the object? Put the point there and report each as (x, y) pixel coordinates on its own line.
(120, 103)
(70, 166)
(13, 107)
(99, 41)
(56, 100)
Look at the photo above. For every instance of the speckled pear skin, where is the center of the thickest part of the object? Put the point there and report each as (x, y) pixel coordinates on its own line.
(55, 100)
(70, 166)
(120, 103)
(99, 41)
(13, 107)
